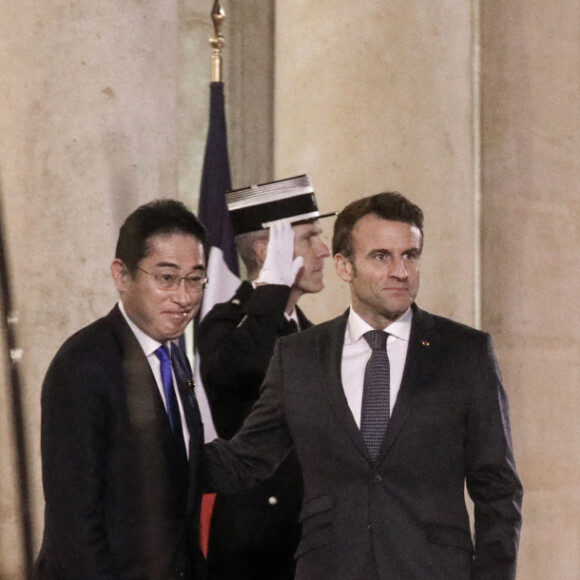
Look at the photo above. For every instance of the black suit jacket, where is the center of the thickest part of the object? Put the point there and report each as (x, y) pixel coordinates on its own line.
(121, 501)
(403, 517)
(253, 534)
(235, 343)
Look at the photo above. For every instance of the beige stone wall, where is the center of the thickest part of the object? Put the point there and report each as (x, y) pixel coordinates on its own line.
(374, 96)
(105, 106)
(194, 74)
(531, 263)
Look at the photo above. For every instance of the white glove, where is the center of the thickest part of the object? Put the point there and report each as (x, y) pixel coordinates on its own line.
(280, 266)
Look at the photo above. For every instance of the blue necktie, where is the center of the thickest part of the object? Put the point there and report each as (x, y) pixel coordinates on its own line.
(376, 393)
(170, 395)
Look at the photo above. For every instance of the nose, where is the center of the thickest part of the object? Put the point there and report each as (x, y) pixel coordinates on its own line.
(180, 294)
(399, 271)
(323, 251)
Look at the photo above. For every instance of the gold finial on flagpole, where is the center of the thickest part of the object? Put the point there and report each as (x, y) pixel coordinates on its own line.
(217, 42)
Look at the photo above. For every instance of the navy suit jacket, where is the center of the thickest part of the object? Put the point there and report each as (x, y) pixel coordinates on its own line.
(403, 517)
(121, 500)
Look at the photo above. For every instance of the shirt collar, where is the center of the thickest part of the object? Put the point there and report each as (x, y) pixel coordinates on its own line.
(148, 344)
(292, 316)
(356, 326)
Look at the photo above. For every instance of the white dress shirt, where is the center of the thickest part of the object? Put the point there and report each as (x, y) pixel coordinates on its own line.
(293, 316)
(356, 353)
(149, 346)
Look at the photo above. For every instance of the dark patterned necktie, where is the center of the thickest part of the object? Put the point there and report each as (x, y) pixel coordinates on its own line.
(170, 395)
(376, 392)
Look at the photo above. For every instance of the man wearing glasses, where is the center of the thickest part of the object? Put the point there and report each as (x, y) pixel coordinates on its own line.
(121, 431)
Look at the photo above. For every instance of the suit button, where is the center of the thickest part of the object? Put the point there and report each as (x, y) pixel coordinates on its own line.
(378, 478)
(272, 500)
(179, 572)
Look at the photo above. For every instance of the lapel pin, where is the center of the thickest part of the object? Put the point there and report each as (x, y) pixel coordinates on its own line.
(425, 343)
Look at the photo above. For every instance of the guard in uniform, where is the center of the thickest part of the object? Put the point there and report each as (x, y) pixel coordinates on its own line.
(254, 534)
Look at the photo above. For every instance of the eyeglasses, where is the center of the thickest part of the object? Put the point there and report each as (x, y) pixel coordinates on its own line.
(173, 281)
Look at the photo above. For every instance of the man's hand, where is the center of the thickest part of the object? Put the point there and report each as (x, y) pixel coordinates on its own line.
(280, 266)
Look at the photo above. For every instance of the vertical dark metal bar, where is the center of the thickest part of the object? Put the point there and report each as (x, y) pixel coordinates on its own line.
(13, 355)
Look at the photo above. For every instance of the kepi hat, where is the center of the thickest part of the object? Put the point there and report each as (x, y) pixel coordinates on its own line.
(257, 206)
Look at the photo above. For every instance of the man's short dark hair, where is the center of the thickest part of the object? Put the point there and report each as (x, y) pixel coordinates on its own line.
(389, 205)
(158, 217)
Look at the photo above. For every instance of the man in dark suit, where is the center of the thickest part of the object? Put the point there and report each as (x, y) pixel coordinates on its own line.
(121, 431)
(254, 534)
(386, 441)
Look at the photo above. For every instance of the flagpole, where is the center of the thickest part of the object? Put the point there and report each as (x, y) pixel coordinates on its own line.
(217, 42)
(216, 178)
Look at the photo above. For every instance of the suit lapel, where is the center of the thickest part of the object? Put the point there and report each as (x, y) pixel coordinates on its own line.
(154, 443)
(186, 387)
(418, 366)
(329, 350)
(148, 436)
(289, 327)
(143, 399)
(304, 322)
(146, 410)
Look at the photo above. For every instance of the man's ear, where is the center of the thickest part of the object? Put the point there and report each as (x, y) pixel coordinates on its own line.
(343, 267)
(119, 273)
(260, 249)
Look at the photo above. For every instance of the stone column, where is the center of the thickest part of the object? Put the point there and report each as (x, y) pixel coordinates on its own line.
(531, 263)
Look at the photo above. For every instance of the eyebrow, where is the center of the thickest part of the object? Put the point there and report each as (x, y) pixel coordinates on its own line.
(310, 234)
(379, 251)
(176, 267)
(412, 250)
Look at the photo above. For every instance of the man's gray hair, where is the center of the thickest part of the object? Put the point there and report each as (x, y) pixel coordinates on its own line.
(245, 244)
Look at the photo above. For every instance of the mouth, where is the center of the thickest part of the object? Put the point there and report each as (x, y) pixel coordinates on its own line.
(179, 315)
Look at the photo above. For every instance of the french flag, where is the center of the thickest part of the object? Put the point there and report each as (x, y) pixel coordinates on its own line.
(223, 270)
